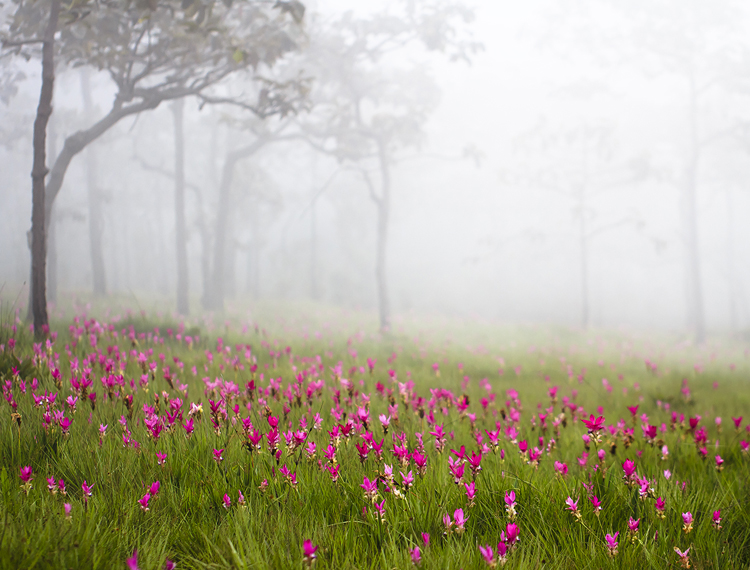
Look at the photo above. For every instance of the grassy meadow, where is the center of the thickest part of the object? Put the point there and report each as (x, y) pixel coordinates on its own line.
(133, 439)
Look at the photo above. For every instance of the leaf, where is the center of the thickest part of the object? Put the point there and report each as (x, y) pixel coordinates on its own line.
(292, 7)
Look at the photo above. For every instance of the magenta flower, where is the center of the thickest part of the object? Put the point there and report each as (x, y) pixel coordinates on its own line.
(408, 479)
(144, 502)
(487, 554)
(370, 488)
(218, 455)
(67, 508)
(381, 510)
(597, 504)
(684, 560)
(594, 425)
(572, 505)
(633, 525)
(416, 555)
(26, 474)
(309, 551)
(86, 490)
(154, 489)
(511, 532)
(471, 491)
(687, 522)
(132, 562)
(169, 565)
(65, 425)
(240, 499)
(612, 543)
(716, 519)
(510, 504)
(426, 539)
(629, 468)
(502, 551)
(660, 508)
(459, 520)
(561, 468)
(719, 463)
(161, 458)
(227, 501)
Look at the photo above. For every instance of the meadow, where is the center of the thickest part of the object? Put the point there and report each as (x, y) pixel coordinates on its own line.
(299, 438)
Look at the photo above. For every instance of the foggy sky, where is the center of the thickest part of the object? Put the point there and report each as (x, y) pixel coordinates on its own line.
(465, 240)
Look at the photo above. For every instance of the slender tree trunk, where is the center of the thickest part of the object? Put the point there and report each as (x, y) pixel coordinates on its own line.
(38, 174)
(183, 305)
(695, 292)
(384, 204)
(52, 225)
(222, 219)
(96, 226)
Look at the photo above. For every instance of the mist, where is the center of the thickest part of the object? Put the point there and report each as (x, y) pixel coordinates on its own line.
(574, 163)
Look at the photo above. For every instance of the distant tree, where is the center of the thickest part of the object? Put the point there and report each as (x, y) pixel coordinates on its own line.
(701, 45)
(369, 104)
(580, 162)
(153, 51)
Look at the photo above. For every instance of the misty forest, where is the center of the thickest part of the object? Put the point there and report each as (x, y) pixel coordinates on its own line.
(390, 284)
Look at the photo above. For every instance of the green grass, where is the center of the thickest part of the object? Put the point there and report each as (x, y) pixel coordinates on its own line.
(188, 523)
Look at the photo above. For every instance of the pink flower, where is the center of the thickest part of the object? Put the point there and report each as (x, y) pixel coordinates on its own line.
(719, 463)
(687, 522)
(227, 501)
(716, 520)
(67, 508)
(660, 508)
(161, 458)
(132, 562)
(561, 468)
(683, 557)
(309, 551)
(471, 491)
(169, 565)
(512, 531)
(426, 539)
(26, 474)
(572, 505)
(381, 510)
(629, 468)
(597, 504)
(633, 525)
(86, 490)
(218, 455)
(370, 487)
(594, 425)
(459, 520)
(144, 502)
(154, 489)
(487, 554)
(416, 555)
(612, 542)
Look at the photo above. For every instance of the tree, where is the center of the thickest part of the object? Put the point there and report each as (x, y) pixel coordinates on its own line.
(698, 44)
(153, 51)
(368, 106)
(580, 163)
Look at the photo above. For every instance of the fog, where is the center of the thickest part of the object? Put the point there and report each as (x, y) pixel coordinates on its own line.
(545, 180)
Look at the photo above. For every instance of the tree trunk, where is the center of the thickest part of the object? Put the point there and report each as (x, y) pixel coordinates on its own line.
(96, 229)
(694, 289)
(183, 305)
(38, 174)
(383, 203)
(217, 293)
(52, 225)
